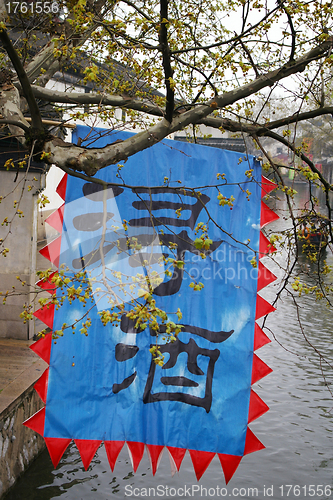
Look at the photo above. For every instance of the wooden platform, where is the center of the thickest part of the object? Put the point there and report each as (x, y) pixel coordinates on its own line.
(20, 367)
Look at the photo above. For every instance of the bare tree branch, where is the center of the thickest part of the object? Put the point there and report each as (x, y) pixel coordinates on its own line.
(225, 42)
(16, 123)
(140, 11)
(22, 76)
(168, 72)
(292, 30)
(45, 63)
(248, 53)
(92, 160)
(136, 104)
(260, 129)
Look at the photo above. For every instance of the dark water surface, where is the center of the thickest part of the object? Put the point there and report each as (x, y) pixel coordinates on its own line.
(297, 432)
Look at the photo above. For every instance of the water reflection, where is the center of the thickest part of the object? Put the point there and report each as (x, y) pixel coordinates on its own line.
(297, 431)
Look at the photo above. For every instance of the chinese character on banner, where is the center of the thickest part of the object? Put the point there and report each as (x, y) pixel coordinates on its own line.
(178, 222)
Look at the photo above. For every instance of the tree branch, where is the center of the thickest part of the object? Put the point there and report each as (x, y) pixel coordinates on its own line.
(168, 72)
(260, 129)
(11, 112)
(297, 117)
(135, 7)
(46, 60)
(248, 53)
(145, 106)
(24, 81)
(194, 68)
(16, 123)
(92, 160)
(327, 186)
(57, 96)
(225, 42)
(292, 30)
(301, 155)
(134, 42)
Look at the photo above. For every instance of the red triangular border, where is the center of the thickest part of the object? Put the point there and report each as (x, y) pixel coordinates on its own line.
(259, 369)
(136, 453)
(61, 189)
(263, 307)
(229, 464)
(87, 449)
(113, 448)
(46, 314)
(36, 422)
(267, 215)
(52, 251)
(56, 447)
(177, 455)
(260, 338)
(47, 284)
(265, 276)
(41, 385)
(266, 186)
(265, 246)
(252, 443)
(257, 407)
(43, 347)
(201, 461)
(56, 219)
(154, 452)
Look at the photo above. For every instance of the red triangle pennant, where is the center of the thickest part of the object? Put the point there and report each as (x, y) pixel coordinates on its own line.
(201, 460)
(265, 246)
(41, 385)
(265, 276)
(260, 338)
(87, 449)
(177, 455)
(263, 307)
(56, 447)
(36, 422)
(267, 215)
(61, 189)
(229, 465)
(47, 284)
(46, 314)
(252, 443)
(266, 186)
(155, 454)
(259, 369)
(136, 452)
(43, 347)
(56, 219)
(113, 448)
(257, 406)
(52, 251)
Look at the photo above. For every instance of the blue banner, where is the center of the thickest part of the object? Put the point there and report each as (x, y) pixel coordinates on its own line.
(106, 386)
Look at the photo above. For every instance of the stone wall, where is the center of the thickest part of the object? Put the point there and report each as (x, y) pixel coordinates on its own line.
(19, 235)
(18, 444)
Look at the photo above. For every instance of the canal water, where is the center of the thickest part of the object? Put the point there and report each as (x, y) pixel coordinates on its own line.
(297, 430)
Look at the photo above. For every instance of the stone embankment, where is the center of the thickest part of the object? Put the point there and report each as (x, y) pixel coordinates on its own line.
(20, 368)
